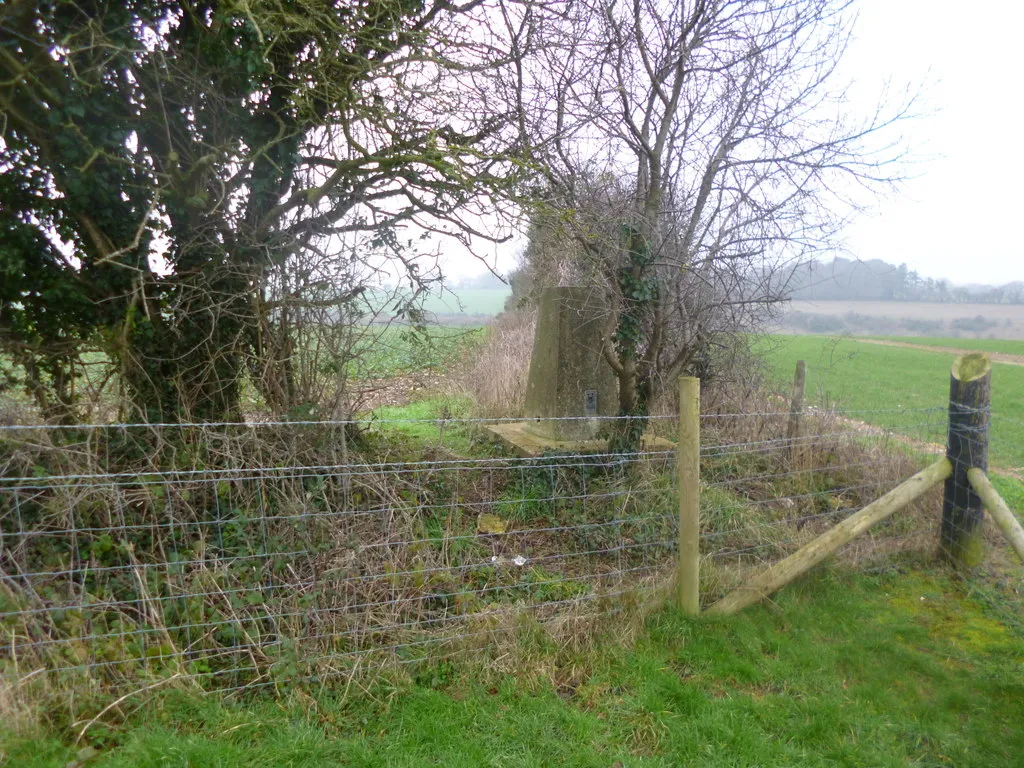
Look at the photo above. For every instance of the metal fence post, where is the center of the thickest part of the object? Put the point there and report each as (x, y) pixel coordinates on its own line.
(688, 576)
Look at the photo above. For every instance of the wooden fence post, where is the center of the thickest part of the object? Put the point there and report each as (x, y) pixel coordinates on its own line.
(970, 385)
(688, 576)
(796, 405)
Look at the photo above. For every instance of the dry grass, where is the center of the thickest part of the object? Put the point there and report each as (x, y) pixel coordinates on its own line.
(209, 597)
(763, 507)
(16, 707)
(496, 378)
(265, 577)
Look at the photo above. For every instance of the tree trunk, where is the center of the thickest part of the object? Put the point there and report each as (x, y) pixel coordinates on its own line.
(271, 362)
(638, 291)
(187, 365)
(634, 405)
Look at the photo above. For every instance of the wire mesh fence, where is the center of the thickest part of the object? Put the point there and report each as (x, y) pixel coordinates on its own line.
(250, 554)
(766, 494)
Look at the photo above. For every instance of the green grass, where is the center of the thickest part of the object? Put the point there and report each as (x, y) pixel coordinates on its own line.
(476, 302)
(1012, 491)
(973, 345)
(867, 377)
(398, 350)
(423, 423)
(845, 669)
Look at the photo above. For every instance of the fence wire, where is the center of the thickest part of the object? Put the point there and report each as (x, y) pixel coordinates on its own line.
(248, 554)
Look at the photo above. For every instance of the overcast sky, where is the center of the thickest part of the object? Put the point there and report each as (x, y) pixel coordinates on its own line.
(956, 218)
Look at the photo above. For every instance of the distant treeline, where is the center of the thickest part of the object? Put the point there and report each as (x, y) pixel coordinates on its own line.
(876, 280)
(859, 324)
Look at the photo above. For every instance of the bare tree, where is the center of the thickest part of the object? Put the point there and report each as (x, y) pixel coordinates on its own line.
(688, 150)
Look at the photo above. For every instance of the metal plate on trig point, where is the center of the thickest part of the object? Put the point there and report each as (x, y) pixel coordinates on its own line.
(590, 402)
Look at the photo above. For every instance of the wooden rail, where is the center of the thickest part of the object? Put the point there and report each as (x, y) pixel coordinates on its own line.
(998, 509)
(968, 491)
(778, 575)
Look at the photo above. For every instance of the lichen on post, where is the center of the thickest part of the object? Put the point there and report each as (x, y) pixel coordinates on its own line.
(966, 448)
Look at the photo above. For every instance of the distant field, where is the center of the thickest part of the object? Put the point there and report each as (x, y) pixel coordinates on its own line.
(924, 310)
(397, 350)
(891, 386)
(973, 345)
(904, 318)
(471, 302)
(458, 307)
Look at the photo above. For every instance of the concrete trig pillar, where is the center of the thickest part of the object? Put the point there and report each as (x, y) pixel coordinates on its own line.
(569, 377)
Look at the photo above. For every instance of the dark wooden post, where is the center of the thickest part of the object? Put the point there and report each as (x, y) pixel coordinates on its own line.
(970, 386)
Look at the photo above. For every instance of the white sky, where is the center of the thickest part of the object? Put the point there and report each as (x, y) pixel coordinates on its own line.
(955, 218)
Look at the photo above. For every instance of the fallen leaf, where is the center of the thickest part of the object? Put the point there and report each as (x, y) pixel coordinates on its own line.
(487, 523)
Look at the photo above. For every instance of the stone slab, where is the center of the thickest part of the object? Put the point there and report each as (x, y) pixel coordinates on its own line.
(528, 444)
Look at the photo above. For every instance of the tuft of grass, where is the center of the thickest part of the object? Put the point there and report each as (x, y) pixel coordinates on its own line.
(843, 669)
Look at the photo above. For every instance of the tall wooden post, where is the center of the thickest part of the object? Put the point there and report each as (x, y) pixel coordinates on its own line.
(970, 386)
(688, 576)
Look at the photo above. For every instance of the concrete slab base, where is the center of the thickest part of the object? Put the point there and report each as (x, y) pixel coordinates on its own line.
(523, 443)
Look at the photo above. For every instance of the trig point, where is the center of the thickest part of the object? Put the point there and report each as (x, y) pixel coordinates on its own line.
(569, 378)
(571, 386)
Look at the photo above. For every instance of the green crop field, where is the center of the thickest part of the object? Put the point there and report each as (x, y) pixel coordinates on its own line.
(466, 303)
(1004, 346)
(397, 349)
(891, 387)
(842, 669)
(480, 302)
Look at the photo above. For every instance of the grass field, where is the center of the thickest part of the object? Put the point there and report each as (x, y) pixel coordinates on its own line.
(479, 302)
(1005, 346)
(885, 670)
(863, 378)
(397, 349)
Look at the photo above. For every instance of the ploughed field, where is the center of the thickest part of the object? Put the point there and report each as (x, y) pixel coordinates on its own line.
(944, 321)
